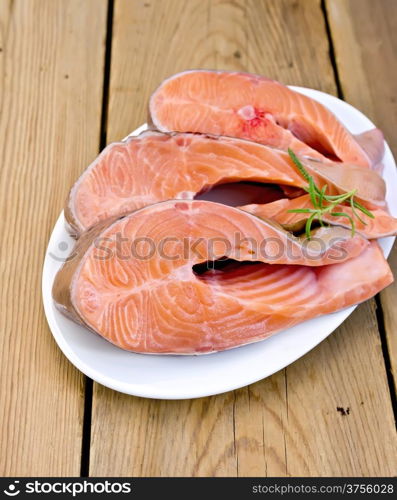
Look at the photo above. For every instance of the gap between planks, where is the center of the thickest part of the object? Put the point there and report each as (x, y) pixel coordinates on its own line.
(88, 386)
(379, 308)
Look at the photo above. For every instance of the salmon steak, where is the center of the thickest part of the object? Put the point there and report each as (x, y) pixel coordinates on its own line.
(259, 109)
(155, 167)
(144, 282)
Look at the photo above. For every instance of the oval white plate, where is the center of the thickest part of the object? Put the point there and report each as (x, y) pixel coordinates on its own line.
(180, 377)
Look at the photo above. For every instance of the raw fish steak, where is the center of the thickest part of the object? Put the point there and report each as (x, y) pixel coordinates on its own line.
(154, 167)
(139, 281)
(263, 110)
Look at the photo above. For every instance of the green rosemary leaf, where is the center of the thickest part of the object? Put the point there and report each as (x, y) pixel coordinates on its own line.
(363, 209)
(355, 213)
(318, 197)
(313, 194)
(301, 211)
(308, 226)
(297, 162)
(344, 214)
(322, 194)
(338, 196)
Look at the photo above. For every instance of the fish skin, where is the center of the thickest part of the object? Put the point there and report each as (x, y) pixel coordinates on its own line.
(256, 108)
(369, 186)
(373, 143)
(161, 306)
(154, 167)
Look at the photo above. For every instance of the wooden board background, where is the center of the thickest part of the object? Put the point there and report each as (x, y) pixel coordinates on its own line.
(51, 77)
(55, 77)
(368, 73)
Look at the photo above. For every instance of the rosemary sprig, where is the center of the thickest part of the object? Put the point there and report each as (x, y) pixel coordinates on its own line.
(324, 203)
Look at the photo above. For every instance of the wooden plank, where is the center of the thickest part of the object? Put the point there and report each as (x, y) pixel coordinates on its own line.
(344, 372)
(149, 44)
(287, 424)
(51, 64)
(368, 72)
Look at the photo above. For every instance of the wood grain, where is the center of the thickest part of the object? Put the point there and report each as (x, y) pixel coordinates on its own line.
(368, 74)
(287, 424)
(149, 44)
(51, 73)
(345, 372)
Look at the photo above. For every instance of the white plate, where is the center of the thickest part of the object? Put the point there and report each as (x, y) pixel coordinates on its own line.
(180, 377)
